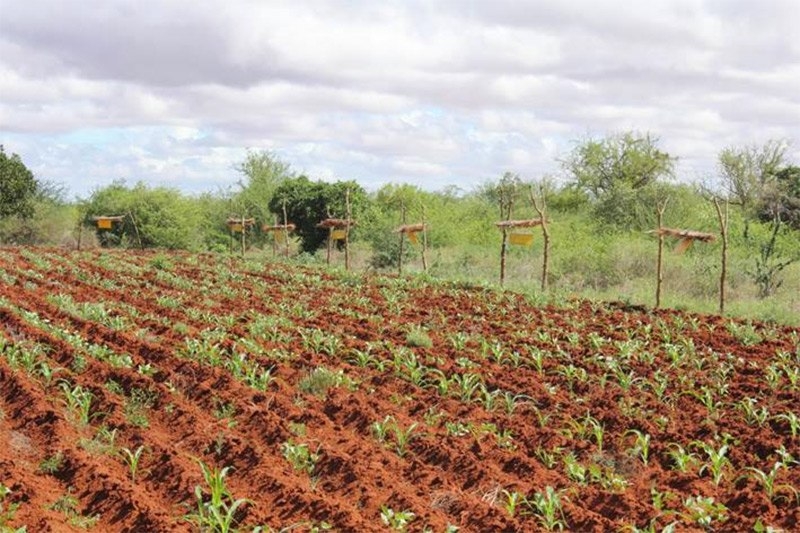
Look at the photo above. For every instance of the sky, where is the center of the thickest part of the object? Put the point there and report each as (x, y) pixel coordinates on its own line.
(433, 93)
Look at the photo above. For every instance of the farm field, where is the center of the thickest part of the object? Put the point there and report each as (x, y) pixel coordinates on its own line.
(146, 391)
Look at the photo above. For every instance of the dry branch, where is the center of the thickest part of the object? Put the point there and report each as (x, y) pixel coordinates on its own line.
(115, 218)
(684, 234)
(532, 223)
(411, 228)
(337, 223)
(246, 221)
(278, 227)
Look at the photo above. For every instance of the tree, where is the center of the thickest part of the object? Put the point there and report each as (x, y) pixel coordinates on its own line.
(18, 187)
(629, 160)
(782, 201)
(262, 173)
(309, 202)
(623, 175)
(749, 173)
(160, 216)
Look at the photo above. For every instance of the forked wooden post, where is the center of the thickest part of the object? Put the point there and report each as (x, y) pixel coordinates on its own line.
(660, 261)
(545, 233)
(411, 230)
(687, 238)
(723, 230)
(335, 225)
(241, 225)
(504, 242)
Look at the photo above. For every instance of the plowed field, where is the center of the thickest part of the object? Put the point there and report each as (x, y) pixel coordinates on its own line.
(313, 399)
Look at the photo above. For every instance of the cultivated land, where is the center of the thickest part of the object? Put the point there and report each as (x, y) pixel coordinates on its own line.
(129, 381)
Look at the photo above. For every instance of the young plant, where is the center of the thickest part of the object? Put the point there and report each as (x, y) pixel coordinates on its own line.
(717, 460)
(216, 511)
(7, 511)
(642, 444)
(512, 501)
(396, 520)
(402, 437)
(548, 508)
(52, 464)
(682, 459)
(300, 456)
(704, 511)
(773, 490)
(78, 401)
(792, 419)
(132, 460)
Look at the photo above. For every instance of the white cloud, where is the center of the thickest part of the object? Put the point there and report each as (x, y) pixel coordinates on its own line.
(429, 92)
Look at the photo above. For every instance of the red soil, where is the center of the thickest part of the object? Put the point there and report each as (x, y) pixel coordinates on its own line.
(460, 466)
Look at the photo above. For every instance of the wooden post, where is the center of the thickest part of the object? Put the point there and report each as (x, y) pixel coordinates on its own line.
(243, 232)
(347, 231)
(402, 238)
(274, 240)
(285, 229)
(659, 264)
(504, 243)
(545, 233)
(424, 241)
(136, 230)
(330, 243)
(80, 232)
(723, 229)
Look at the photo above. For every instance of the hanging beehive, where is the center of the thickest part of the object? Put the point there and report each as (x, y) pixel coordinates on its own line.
(685, 237)
(520, 239)
(237, 225)
(107, 222)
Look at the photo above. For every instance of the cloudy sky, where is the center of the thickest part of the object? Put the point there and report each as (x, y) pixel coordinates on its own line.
(435, 93)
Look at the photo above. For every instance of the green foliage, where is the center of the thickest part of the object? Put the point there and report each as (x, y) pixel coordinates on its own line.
(771, 259)
(782, 201)
(309, 202)
(629, 160)
(18, 187)
(620, 173)
(158, 217)
(749, 172)
(216, 508)
(263, 172)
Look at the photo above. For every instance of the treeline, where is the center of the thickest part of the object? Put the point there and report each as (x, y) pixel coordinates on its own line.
(611, 188)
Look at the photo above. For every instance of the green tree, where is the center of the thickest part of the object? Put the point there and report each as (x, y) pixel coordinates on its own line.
(749, 173)
(309, 202)
(18, 187)
(262, 173)
(156, 217)
(627, 160)
(621, 174)
(385, 214)
(782, 201)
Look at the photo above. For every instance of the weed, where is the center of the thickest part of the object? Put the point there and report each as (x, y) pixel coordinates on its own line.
(300, 456)
(52, 464)
(320, 380)
(396, 520)
(417, 337)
